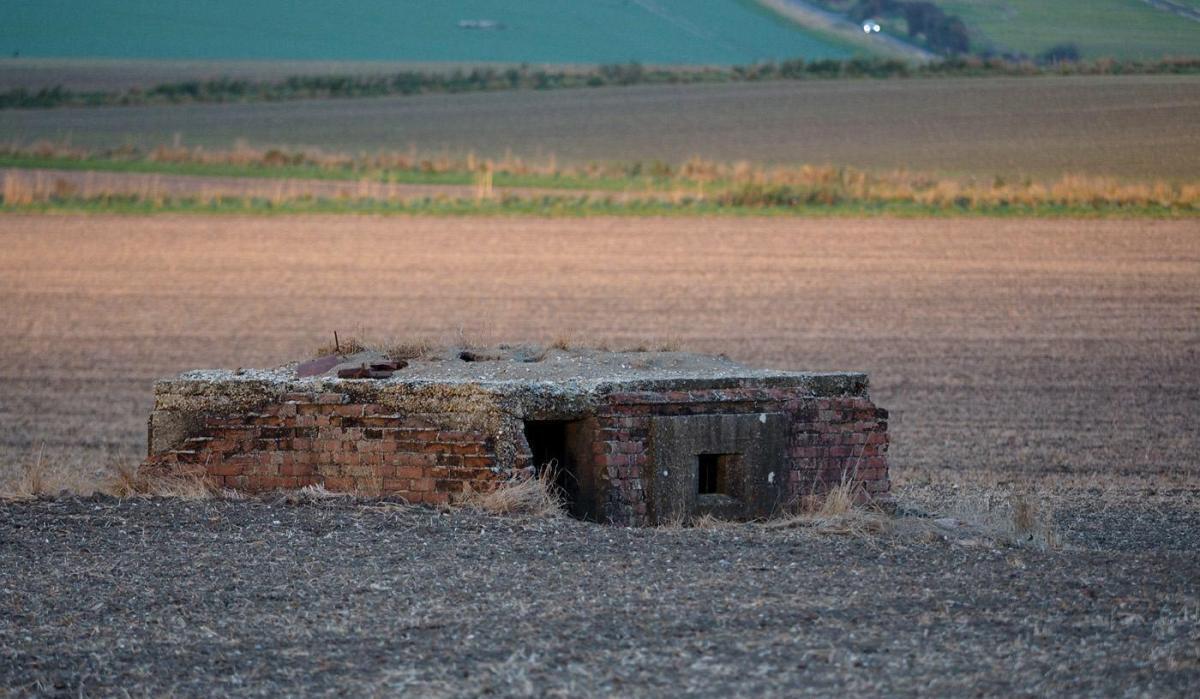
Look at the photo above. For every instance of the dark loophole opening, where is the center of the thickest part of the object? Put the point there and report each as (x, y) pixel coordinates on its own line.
(713, 476)
(556, 446)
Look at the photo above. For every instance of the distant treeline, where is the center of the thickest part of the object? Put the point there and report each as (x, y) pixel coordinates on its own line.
(528, 78)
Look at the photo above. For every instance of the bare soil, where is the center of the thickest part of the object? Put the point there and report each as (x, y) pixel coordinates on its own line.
(1014, 346)
(104, 597)
(1126, 126)
(1044, 364)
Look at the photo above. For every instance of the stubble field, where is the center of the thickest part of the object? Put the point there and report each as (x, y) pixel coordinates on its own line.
(1052, 359)
(1123, 126)
(1007, 345)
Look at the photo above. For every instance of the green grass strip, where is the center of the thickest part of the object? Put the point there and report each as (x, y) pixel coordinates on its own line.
(315, 172)
(574, 207)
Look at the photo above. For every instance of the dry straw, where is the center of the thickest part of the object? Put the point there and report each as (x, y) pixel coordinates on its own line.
(38, 477)
(371, 177)
(534, 494)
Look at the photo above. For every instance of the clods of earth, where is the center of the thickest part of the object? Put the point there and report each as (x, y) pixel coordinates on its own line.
(269, 597)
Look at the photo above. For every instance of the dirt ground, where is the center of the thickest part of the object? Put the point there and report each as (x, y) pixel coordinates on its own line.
(250, 598)
(1126, 126)
(1012, 346)
(1054, 359)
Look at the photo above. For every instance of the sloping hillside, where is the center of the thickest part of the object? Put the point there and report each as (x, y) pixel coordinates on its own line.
(1099, 28)
(1121, 29)
(535, 31)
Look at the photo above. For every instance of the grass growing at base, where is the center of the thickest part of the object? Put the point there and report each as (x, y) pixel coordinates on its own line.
(35, 477)
(536, 495)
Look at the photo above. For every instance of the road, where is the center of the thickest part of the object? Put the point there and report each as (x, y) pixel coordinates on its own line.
(1175, 8)
(813, 17)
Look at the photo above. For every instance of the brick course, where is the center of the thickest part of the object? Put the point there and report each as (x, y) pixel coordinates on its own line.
(381, 441)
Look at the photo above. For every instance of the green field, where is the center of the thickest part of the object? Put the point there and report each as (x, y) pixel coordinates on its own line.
(1100, 28)
(537, 31)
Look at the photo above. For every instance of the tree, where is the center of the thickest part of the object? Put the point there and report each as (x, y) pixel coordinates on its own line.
(1061, 53)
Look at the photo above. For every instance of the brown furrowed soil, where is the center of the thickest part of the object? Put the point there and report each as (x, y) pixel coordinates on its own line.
(1055, 359)
(1125, 126)
(252, 598)
(1010, 345)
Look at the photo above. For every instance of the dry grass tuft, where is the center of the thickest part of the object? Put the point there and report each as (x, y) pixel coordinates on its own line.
(708, 521)
(316, 495)
(839, 511)
(407, 348)
(39, 477)
(128, 481)
(481, 346)
(739, 184)
(342, 345)
(671, 344)
(973, 510)
(36, 476)
(320, 492)
(1029, 521)
(968, 517)
(412, 348)
(535, 495)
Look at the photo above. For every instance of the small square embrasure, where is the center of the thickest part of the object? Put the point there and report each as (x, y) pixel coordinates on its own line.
(713, 475)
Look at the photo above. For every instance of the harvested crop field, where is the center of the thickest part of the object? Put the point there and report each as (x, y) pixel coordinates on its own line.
(1011, 345)
(1056, 358)
(1125, 126)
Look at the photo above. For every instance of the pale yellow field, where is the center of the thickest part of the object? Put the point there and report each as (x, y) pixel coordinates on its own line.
(1000, 345)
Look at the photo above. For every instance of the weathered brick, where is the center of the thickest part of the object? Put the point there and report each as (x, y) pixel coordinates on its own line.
(225, 468)
(325, 437)
(338, 483)
(295, 469)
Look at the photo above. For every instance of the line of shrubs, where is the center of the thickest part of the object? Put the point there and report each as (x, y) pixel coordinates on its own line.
(526, 78)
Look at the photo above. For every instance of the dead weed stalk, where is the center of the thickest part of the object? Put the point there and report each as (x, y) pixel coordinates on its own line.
(40, 477)
(838, 511)
(535, 495)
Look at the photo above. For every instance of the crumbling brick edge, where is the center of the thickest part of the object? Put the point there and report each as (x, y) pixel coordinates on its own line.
(431, 441)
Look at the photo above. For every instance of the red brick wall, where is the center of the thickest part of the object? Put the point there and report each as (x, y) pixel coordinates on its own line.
(309, 439)
(322, 438)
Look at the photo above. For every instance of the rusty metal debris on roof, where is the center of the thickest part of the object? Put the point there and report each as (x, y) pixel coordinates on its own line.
(370, 370)
(318, 366)
(361, 365)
